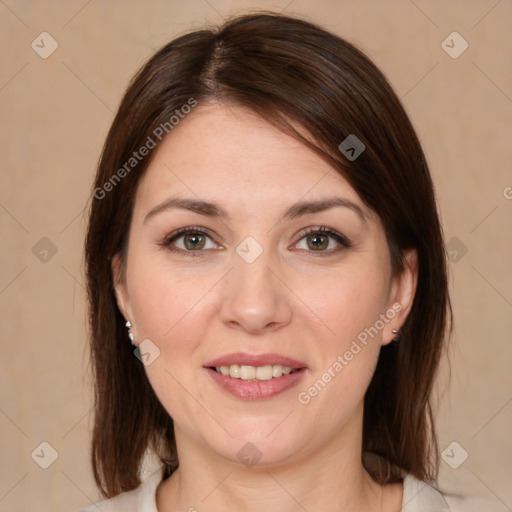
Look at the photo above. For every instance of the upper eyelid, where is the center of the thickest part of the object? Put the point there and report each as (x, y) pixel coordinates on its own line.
(325, 230)
(179, 233)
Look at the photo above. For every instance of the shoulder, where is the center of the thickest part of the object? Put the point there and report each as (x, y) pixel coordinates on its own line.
(466, 492)
(420, 496)
(452, 495)
(142, 499)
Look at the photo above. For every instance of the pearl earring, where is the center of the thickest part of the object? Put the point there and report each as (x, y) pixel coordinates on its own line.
(130, 335)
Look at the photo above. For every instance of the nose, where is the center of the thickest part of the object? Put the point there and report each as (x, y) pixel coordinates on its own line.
(255, 299)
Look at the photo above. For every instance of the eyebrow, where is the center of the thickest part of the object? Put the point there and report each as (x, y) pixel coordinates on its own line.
(215, 211)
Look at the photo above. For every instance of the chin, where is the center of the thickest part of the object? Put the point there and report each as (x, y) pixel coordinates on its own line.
(263, 442)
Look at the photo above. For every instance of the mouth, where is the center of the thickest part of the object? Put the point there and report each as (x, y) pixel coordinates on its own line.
(255, 373)
(255, 376)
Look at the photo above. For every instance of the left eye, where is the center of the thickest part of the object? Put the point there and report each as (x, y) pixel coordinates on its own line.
(319, 240)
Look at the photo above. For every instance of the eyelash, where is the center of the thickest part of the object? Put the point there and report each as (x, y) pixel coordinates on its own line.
(341, 239)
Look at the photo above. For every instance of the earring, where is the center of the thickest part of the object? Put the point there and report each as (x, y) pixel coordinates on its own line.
(130, 334)
(396, 333)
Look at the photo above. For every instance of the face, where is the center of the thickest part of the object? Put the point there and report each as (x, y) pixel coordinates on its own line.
(262, 287)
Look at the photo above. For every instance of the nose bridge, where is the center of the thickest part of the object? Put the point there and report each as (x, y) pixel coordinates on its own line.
(255, 276)
(254, 298)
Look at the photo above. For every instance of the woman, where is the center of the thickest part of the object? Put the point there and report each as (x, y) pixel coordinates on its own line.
(264, 230)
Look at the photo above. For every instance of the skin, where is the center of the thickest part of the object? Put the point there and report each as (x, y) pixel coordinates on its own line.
(290, 300)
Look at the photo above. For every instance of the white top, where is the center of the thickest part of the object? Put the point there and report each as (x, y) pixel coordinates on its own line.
(418, 496)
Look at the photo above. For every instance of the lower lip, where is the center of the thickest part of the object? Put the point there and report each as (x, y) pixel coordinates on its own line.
(256, 390)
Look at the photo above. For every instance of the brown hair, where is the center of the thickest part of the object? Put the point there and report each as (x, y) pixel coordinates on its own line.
(294, 74)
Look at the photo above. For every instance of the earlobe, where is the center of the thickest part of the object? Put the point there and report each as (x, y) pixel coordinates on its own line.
(403, 293)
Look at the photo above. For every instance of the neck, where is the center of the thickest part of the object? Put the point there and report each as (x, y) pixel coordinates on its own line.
(331, 477)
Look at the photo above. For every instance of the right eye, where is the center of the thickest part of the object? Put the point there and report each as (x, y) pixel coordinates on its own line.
(188, 240)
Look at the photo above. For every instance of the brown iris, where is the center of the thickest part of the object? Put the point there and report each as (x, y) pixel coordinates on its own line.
(194, 241)
(318, 241)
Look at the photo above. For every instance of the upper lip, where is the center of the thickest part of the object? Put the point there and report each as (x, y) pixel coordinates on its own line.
(245, 359)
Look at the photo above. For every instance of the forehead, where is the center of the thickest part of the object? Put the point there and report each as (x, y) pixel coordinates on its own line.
(230, 154)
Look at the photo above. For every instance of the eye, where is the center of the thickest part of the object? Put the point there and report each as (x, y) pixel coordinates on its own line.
(320, 240)
(194, 240)
(189, 240)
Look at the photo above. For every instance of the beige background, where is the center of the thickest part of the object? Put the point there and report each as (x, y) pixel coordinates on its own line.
(55, 114)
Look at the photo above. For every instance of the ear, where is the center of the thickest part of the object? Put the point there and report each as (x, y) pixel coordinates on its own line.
(403, 290)
(119, 280)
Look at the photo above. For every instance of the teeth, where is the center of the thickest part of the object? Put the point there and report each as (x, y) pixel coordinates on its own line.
(245, 372)
(234, 371)
(277, 370)
(264, 372)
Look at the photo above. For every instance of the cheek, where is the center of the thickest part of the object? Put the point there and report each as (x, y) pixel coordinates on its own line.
(350, 305)
(172, 309)
(167, 300)
(347, 303)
